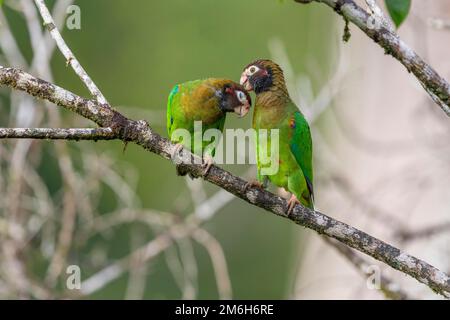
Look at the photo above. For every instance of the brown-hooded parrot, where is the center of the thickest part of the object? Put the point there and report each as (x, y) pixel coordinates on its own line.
(274, 109)
(208, 101)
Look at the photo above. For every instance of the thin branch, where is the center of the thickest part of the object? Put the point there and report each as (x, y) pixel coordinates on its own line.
(425, 232)
(9, 45)
(141, 134)
(387, 286)
(375, 28)
(376, 10)
(137, 278)
(58, 133)
(142, 254)
(43, 46)
(370, 209)
(175, 267)
(190, 268)
(218, 260)
(439, 23)
(68, 54)
(159, 244)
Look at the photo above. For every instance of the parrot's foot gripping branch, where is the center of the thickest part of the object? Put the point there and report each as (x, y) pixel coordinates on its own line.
(254, 184)
(293, 201)
(208, 162)
(176, 152)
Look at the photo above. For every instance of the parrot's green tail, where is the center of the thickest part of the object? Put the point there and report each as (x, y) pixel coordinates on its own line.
(311, 203)
(308, 202)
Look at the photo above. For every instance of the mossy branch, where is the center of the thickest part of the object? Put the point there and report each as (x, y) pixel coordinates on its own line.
(375, 27)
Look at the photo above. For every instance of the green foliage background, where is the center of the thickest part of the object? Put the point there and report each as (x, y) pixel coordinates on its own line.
(136, 51)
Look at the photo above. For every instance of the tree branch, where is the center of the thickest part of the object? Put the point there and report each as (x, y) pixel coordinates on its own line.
(377, 29)
(389, 288)
(58, 133)
(439, 23)
(68, 54)
(425, 232)
(140, 133)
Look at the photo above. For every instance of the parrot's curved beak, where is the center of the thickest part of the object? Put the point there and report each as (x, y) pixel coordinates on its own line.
(244, 82)
(242, 110)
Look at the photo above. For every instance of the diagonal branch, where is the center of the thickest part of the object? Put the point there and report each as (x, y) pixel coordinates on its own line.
(68, 54)
(218, 260)
(376, 29)
(389, 288)
(58, 133)
(439, 23)
(425, 232)
(140, 133)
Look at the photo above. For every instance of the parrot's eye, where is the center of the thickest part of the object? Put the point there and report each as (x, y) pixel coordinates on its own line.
(253, 69)
(241, 96)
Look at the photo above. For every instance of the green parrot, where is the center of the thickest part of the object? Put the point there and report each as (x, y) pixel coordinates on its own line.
(208, 101)
(274, 109)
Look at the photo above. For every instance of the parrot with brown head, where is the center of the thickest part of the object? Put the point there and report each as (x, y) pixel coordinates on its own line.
(274, 109)
(207, 101)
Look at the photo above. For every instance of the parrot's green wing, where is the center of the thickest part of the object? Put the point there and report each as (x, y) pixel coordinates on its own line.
(209, 147)
(175, 113)
(301, 147)
(193, 101)
(170, 110)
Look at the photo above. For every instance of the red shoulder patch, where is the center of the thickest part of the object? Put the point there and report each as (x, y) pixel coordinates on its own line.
(292, 123)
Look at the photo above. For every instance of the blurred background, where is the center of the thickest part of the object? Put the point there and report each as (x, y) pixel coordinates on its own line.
(138, 231)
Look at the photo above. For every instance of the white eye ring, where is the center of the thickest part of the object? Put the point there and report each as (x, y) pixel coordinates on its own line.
(252, 70)
(241, 96)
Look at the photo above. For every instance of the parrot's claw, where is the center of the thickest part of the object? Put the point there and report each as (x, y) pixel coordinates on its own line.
(254, 184)
(209, 161)
(177, 150)
(293, 201)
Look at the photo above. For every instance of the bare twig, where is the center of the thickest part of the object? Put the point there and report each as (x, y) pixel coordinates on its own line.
(58, 133)
(58, 13)
(137, 278)
(375, 10)
(435, 85)
(439, 23)
(43, 47)
(173, 262)
(190, 267)
(161, 243)
(204, 238)
(387, 286)
(370, 209)
(218, 260)
(140, 133)
(426, 232)
(9, 45)
(113, 271)
(68, 54)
